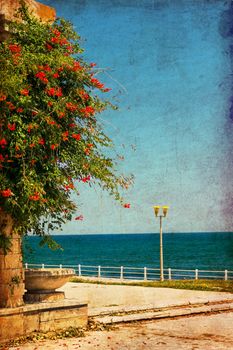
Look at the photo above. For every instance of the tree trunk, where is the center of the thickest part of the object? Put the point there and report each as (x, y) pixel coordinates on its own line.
(11, 266)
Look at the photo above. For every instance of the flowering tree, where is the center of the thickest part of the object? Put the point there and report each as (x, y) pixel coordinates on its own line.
(50, 137)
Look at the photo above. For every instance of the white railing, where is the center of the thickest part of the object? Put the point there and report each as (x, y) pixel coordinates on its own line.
(139, 273)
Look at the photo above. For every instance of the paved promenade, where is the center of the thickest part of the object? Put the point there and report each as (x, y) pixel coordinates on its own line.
(99, 296)
(212, 331)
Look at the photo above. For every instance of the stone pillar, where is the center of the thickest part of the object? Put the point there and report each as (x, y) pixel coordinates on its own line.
(11, 266)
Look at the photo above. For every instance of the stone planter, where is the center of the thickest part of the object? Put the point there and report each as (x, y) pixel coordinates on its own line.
(41, 284)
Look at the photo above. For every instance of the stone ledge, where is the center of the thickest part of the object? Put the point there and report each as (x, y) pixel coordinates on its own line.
(41, 317)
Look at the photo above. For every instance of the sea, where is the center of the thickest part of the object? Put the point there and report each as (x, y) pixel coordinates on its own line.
(207, 251)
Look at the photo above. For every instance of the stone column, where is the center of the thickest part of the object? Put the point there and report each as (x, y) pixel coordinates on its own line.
(11, 266)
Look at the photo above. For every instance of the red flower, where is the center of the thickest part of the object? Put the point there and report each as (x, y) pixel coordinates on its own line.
(86, 179)
(6, 193)
(71, 107)
(56, 32)
(92, 64)
(63, 41)
(54, 146)
(10, 106)
(97, 83)
(1, 158)
(76, 66)
(19, 110)
(50, 104)
(41, 142)
(76, 136)
(84, 95)
(3, 143)
(2, 97)
(41, 76)
(11, 127)
(55, 92)
(24, 92)
(65, 135)
(107, 90)
(126, 205)
(72, 125)
(56, 75)
(32, 145)
(87, 111)
(69, 186)
(61, 115)
(35, 197)
(48, 46)
(14, 48)
(80, 217)
(34, 113)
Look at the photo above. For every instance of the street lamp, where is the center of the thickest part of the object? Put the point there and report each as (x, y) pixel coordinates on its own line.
(161, 216)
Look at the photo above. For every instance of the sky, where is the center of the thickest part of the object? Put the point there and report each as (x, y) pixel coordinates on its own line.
(169, 67)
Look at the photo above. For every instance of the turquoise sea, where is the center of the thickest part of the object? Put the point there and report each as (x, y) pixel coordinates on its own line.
(209, 251)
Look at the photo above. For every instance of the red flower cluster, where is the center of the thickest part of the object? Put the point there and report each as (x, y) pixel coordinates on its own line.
(80, 217)
(41, 142)
(54, 92)
(54, 146)
(87, 111)
(76, 136)
(45, 68)
(2, 97)
(6, 193)
(88, 149)
(76, 66)
(97, 83)
(11, 127)
(14, 48)
(10, 105)
(19, 110)
(42, 76)
(35, 196)
(61, 115)
(69, 186)
(65, 135)
(84, 95)
(3, 143)
(1, 158)
(126, 205)
(86, 179)
(24, 92)
(71, 107)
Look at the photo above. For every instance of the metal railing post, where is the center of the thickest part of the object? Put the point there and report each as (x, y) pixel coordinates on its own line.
(99, 271)
(79, 270)
(145, 274)
(42, 266)
(225, 275)
(26, 265)
(196, 274)
(122, 273)
(60, 266)
(169, 274)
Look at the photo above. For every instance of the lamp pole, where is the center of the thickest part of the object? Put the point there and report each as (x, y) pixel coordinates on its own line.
(161, 216)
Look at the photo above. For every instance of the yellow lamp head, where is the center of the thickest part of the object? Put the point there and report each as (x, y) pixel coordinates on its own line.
(165, 210)
(156, 210)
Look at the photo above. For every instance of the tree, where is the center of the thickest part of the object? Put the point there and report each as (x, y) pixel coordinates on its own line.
(50, 137)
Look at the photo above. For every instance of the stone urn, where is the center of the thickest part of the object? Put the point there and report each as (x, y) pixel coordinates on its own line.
(41, 284)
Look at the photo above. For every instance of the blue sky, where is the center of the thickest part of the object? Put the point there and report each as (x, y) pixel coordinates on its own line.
(169, 69)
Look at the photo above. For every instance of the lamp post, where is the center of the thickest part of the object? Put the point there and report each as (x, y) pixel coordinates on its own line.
(161, 216)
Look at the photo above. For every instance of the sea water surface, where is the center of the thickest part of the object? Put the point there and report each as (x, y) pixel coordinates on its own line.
(209, 251)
